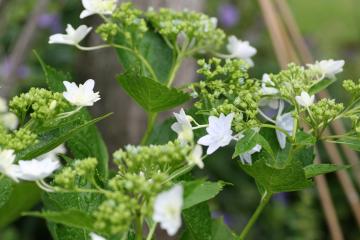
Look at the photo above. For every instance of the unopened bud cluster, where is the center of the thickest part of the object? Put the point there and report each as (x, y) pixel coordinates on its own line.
(80, 170)
(324, 112)
(199, 29)
(40, 103)
(226, 89)
(17, 140)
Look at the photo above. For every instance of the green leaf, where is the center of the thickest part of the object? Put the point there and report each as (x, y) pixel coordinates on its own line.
(51, 139)
(54, 78)
(290, 178)
(88, 142)
(162, 133)
(5, 189)
(321, 85)
(319, 169)
(250, 139)
(220, 231)
(71, 217)
(198, 223)
(352, 142)
(303, 138)
(199, 191)
(151, 95)
(84, 202)
(22, 197)
(154, 50)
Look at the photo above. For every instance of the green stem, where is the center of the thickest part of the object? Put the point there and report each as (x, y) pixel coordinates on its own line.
(150, 127)
(180, 171)
(264, 201)
(139, 229)
(151, 232)
(174, 70)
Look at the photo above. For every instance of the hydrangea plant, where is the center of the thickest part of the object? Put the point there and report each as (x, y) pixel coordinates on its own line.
(49, 141)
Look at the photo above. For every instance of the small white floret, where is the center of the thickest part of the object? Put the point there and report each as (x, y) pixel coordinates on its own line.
(241, 49)
(82, 95)
(7, 166)
(35, 170)
(167, 209)
(327, 68)
(219, 133)
(183, 127)
(305, 99)
(72, 36)
(102, 7)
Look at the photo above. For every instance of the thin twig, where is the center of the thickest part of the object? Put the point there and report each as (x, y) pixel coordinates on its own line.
(22, 47)
(328, 206)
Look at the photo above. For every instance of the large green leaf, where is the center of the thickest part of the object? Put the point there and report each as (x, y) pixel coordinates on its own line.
(49, 140)
(19, 197)
(84, 202)
(220, 231)
(151, 95)
(5, 190)
(198, 223)
(290, 178)
(70, 217)
(199, 191)
(319, 169)
(154, 50)
(321, 85)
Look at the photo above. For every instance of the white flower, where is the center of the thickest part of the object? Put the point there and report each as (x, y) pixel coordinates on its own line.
(167, 209)
(305, 99)
(7, 166)
(183, 127)
(34, 170)
(53, 154)
(219, 133)
(83, 95)
(72, 36)
(266, 82)
(3, 105)
(94, 236)
(102, 7)
(241, 49)
(9, 120)
(285, 122)
(246, 157)
(196, 156)
(327, 68)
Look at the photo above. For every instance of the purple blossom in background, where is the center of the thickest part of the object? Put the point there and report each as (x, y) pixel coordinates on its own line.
(50, 21)
(228, 15)
(6, 66)
(227, 218)
(281, 197)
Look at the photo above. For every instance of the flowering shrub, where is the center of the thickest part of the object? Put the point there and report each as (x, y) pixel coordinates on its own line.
(272, 123)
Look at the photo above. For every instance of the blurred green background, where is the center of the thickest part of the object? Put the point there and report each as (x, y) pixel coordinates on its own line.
(331, 29)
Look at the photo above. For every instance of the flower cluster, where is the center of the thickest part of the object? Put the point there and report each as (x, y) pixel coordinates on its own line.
(228, 89)
(199, 31)
(324, 112)
(42, 104)
(126, 21)
(17, 140)
(352, 87)
(69, 176)
(151, 159)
